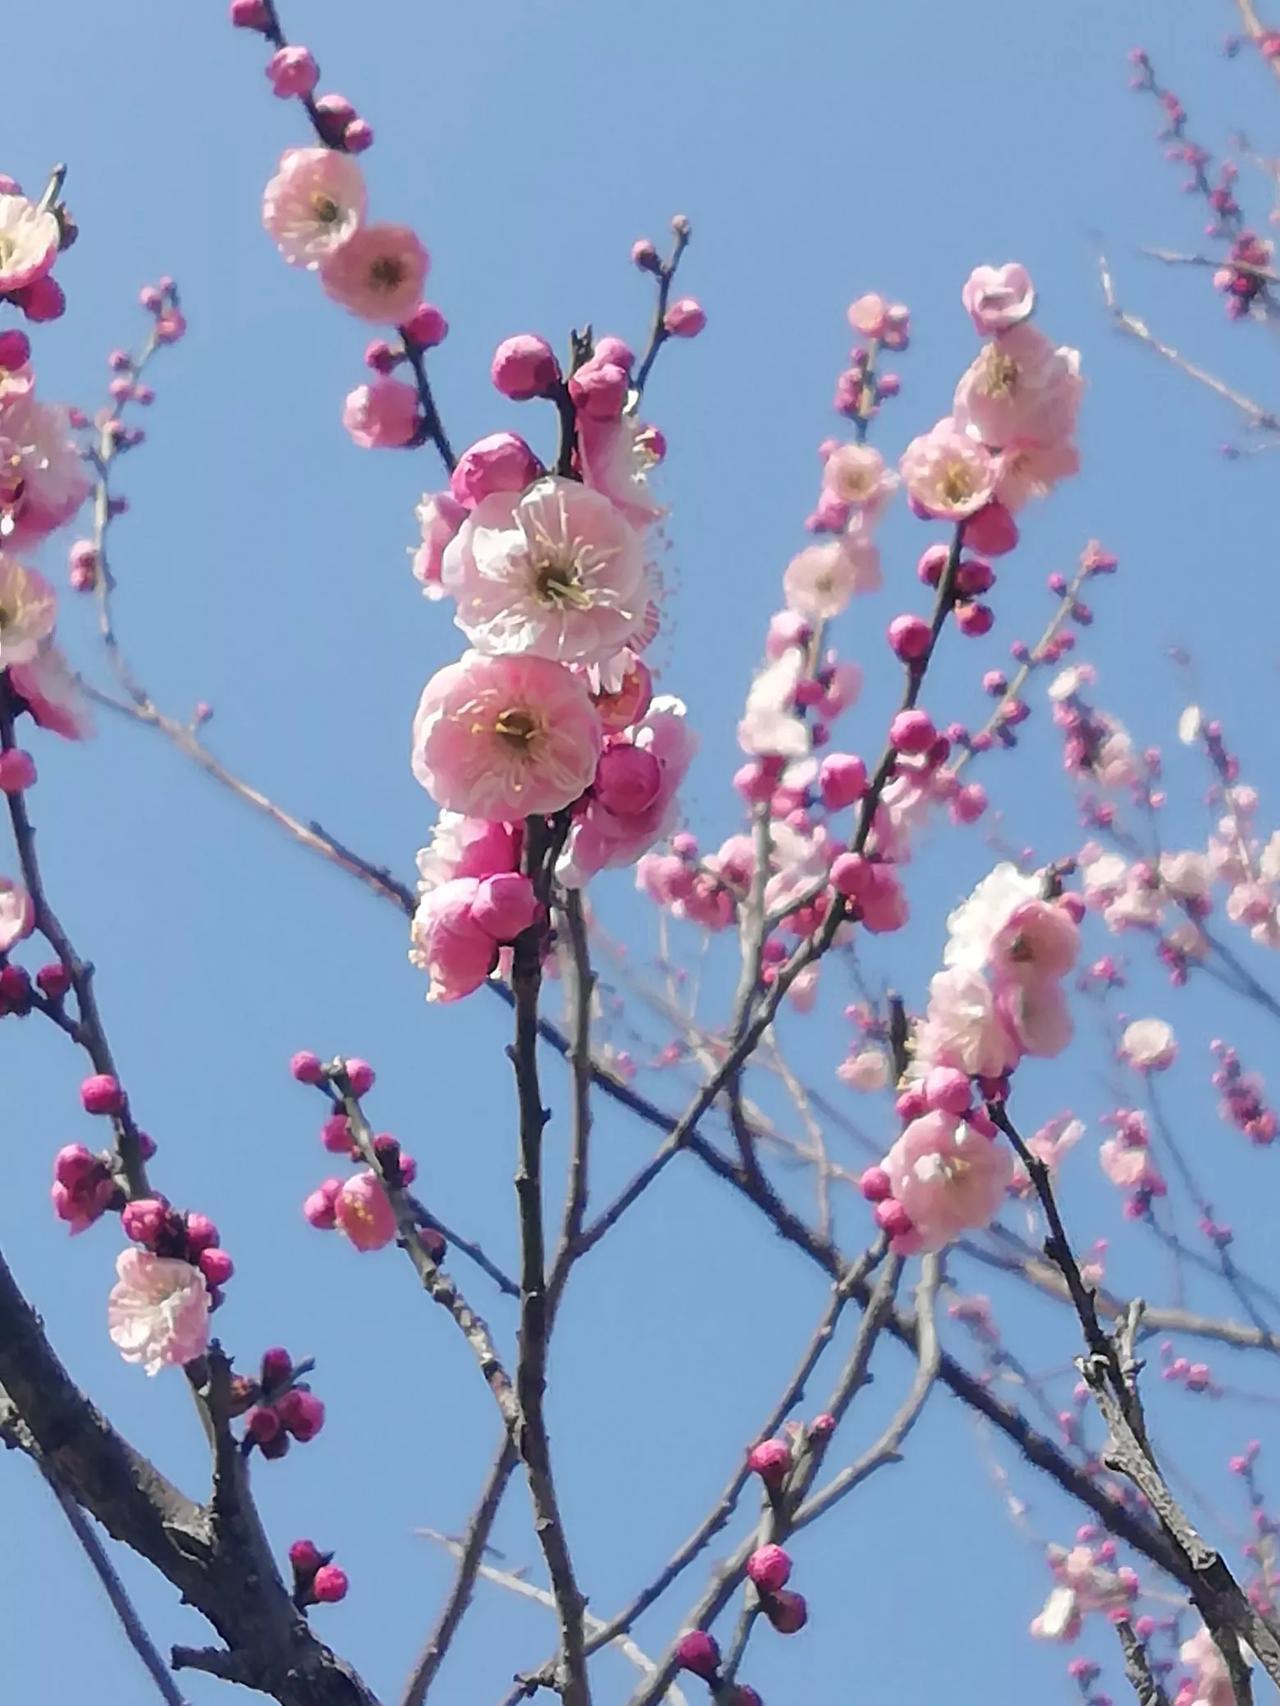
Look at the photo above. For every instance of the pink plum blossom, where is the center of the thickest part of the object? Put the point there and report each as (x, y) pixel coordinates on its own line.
(377, 274)
(1149, 1045)
(28, 611)
(996, 298)
(946, 474)
(854, 475)
(158, 1310)
(313, 204)
(440, 515)
(456, 952)
(947, 1177)
(29, 241)
(962, 1028)
(770, 725)
(556, 573)
(502, 462)
(820, 580)
(43, 480)
(618, 457)
(505, 737)
(53, 695)
(617, 826)
(1020, 389)
(468, 847)
(382, 415)
(1213, 1686)
(17, 914)
(364, 1213)
(974, 926)
(867, 1070)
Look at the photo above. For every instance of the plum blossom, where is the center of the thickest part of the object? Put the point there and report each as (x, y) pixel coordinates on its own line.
(1149, 1045)
(28, 611)
(974, 926)
(770, 725)
(617, 460)
(363, 1212)
(1212, 1686)
(440, 515)
(377, 274)
(556, 572)
(459, 926)
(158, 1310)
(313, 204)
(820, 580)
(947, 1177)
(382, 415)
(947, 475)
(962, 1028)
(468, 847)
(53, 695)
(617, 825)
(505, 737)
(996, 298)
(42, 478)
(854, 475)
(29, 242)
(17, 914)
(1020, 389)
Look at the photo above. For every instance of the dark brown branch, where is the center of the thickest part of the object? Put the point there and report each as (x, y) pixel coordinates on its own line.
(1137, 1668)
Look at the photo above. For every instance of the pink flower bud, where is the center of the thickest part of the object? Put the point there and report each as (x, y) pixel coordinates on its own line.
(741, 1695)
(360, 1076)
(357, 136)
(15, 350)
(769, 1568)
(292, 71)
(307, 1068)
(947, 1090)
(824, 1425)
(41, 300)
(842, 779)
(329, 1584)
(502, 462)
(302, 1413)
(628, 780)
(318, 1207)
(599, 389)
(381, 356)
(363, 1211)
(54, 980)
(787, 1611)
(524, 366)
(505, 904)
(73, 1165)
(993, 531)
(249, 14)
(336, 1136)
(426, 326)
(912, 731)
(685, 318)
(910, 637)
(144, 1219)
(101, 1094)
(699, 1652)
(645, 256)
(306, 1558)
(17, 771)
(974, 575)
(262, 1424)
(383, 415)
(893, 1219)
(614, 351)
(202, 1234)
(974, 619)
(933, 560)
(875, 1185)
(216, 1266)
(770, 1460)
(969, 803)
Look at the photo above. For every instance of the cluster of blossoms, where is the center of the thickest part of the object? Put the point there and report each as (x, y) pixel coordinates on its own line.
(1085, 1580)
(1127, 1161)
(1243, 1102)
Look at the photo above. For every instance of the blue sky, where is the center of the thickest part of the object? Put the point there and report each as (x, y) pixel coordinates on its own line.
(820, 151)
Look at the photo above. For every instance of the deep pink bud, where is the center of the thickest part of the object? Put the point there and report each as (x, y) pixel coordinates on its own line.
(770, 1460)
(875, 1185)
(249, 14)
(277, 1366)
(381, 357)
(360, 1076)
(969, 803)
(42, 299)
(974, 619)
(336, 1136)
(524, 366)
(787, 1611)
(910, 637)
(947, 1089)
(912, 731)
(17, 771)
(15, 350)
(599, 389)
(302, 1413)
(426, 326)
(993, 531)
(769, 1568)
(307, 1068)
(54, 980)
(318, 1207)
(306, 1557)
(262, 1424)
(824, 1425)
(329, 1584)
(216, 1266)
(74, 1165)
(101, 1094)
(358, 136)
(292, 71)
(503, 462)
(614, 351)
(842, 779)
(893, 1219)
(698, 1652)
(932, 562)
(974, 575)
(628, 780)
(685, 318)
(741, 1695)
(202, 1234)
(505, 904)
(144, 1219)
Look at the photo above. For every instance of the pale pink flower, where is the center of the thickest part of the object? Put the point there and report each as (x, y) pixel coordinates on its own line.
(17, 914)
(313, 204)
(1059, 1619)
(770, 725)
(1026, 470)
(1213, 1680)
(556, 572)
(974, 926)
(364, 1212)
(1129, 1166)
(855, 475)
(948, 1177)
(821, 579)
(961, 1027)
(1019, 388)
(867, 1070)
(440, 515)
(996, 298)
(1055, 1139)
(377, 274)
(1189, 876)
(29, 241)
(505, 737)
(158, 1310)
(456, 953)
(868, 315)
(1149, 1045)
(53, 695)
(1039, 939)
(948, 475)
(468, 847)
(605, 836)
(28, 611)
(618, 457)
(1035, 1013)
(42, 477)
(381, 415)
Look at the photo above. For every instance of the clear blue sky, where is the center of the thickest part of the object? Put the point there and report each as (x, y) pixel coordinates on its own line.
(821, 150)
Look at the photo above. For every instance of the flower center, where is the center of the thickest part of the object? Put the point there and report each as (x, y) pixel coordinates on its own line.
(7, 249)
(386, 273)
(517, 727)
(325, 208)
(1002, 374)
(557, 579)
(956, 484)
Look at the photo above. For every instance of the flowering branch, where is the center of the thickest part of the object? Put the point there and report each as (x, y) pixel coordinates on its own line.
(1137, 1667)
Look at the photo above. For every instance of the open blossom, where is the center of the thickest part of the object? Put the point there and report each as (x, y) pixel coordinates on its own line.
(17, 914)
(973, 927)
(770, 726)
(42, 478)
(948, 475)
(364, 1213)
(820, 580)
(1027, 469)
(28, 611)
(948, 1177)
(377, 274)
(1213, 1685)
(468, 847)
(855, 475)
(53, 695)
(29, 240)
(618, 457)
(381, 415)
(505, 737)
(440, 515)
(158, 1310)
(1149, 1045)
(313, 204)
(556, 572)
(996, 298)
(961, 1027)
(1020, 388)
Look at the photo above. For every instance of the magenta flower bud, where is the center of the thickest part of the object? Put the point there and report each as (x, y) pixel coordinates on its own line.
(685, 318)
(307, 1068)
(770, 1460)
(302, 1413)
(41, 300)
(974, 575)
(336, 1136)
(318, 1207)
(910, 637)
(358, 136)
(974, 619)
(628, 780)
(74, 1165)
(787, 1612)
(615, 351)
(599, 389)
(875, 1185)
(15, 350)
(505, 904)
(202, 1234)
(769, 1568)
(824, 1425)
(262, 1424)
(335, 113)
(54, 979)
(933, 561)
(360, 1076)
(755, 782)
(329, 1584)
(698, 1652)
(101, 1094)
(216, 1266)
(503, 462)
(524, 366)
(292, 71)
(426, 326)
(842, 779)
(381, 357)
(144, 1220)
(17, 771)
(947, 1090)
(306, 1558)
(893, 1220)
(993, 531)
(277, 1366)
(741, 1695)
(912, 731)
(249, 14)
